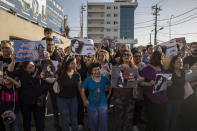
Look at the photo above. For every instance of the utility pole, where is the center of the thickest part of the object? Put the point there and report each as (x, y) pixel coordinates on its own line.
(82, 10)
(155, 13)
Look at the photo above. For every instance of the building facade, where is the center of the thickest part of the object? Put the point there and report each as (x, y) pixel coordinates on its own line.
(26, 21)
(114, 20)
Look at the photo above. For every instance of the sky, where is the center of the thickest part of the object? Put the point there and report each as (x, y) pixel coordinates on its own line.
(182, 26)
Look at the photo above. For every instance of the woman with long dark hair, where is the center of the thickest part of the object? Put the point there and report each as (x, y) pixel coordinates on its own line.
(155, 103)
(175, 93)
(69, 82)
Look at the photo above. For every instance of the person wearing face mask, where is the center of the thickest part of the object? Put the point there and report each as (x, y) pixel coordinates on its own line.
(30, 94)
(189, 110)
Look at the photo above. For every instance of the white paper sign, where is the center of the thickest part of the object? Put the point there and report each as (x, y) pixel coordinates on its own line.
(169, 48)
(82, 47)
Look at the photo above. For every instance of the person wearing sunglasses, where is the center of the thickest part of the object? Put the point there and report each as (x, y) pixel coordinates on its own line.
(122, 97)
(30, 94)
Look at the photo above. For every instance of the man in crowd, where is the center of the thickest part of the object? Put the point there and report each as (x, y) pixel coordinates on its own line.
(189, 105)
(47, 33)
(149, 52)
(6, 48)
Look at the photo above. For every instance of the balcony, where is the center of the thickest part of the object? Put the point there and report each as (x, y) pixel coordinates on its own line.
(96, 10)
(96, 25)
(95, 17)
(95, 32)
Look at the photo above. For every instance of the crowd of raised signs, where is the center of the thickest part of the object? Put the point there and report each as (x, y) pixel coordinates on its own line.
(143, 86)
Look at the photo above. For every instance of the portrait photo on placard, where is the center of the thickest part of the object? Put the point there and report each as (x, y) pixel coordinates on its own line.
(124, 78)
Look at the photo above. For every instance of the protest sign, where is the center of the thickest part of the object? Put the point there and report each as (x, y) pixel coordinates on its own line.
(49, 69)
(124, 78)
(29, 50)
(55, 63)
(109, 43)
(169, 48)
(161, 82)
(82, 47)
(1, 72)
(57, 40)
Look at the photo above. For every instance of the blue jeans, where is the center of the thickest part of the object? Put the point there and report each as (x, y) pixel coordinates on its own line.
(68, 109)
(98, 119)
(173, 111)
(15, 125)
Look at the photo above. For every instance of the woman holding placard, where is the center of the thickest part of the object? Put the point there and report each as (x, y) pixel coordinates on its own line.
(122, 97)
(155, 103)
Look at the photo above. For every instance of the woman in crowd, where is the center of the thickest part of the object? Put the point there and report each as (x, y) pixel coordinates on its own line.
(97, 100)
(10, 102)
(31, 95)
(138, 92)
(82, 70)
(69, 82)
(175, 93)
(155, 103)
(122, 98)
(103, 60)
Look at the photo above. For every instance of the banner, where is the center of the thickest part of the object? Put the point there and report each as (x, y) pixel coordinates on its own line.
(47, 13)
(109, 43)
(124, 78)
(29, 50)
(82, 47)
(161, 82)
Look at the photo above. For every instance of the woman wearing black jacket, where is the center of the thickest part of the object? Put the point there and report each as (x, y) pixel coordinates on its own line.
(30, 94)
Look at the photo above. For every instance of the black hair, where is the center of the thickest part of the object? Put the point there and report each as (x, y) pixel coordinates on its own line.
(48, 39)
(148, 46)
(172, 62)
(93, 65)
(78, 50)
(48, 30)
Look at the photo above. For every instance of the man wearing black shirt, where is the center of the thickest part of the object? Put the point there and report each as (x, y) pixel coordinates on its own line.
(190, 104)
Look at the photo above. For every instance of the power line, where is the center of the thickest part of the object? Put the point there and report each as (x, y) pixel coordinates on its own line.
(179, 14)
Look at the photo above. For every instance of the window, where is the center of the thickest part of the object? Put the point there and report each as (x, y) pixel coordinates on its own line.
(108, 7)
(115, 22)
(108, 15)
(108, 30)
(108, 22)
(115, 7)
(115, 30)
(115, 15)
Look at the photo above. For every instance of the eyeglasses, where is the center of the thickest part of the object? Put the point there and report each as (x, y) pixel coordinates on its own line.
(139, 56)
(128, 55)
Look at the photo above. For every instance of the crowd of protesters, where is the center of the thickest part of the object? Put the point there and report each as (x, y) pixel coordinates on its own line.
(84, 84)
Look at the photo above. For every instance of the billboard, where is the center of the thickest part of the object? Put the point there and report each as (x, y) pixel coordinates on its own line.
(47, 13)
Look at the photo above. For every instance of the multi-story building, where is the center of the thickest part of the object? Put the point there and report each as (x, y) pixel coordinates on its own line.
(114, 20)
